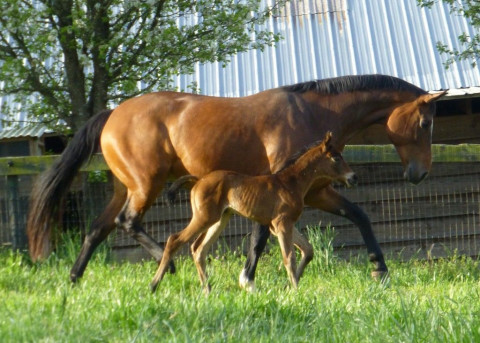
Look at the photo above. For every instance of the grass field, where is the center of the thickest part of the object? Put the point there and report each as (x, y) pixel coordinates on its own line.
(337, 301)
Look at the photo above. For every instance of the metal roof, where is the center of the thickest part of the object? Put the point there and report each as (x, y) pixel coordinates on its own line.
(329, 38)
(37, 130)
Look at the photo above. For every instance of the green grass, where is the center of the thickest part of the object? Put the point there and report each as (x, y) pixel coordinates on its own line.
(337, 301)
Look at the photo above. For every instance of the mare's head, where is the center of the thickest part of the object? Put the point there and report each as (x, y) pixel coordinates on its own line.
(410, 127)
(333, 165)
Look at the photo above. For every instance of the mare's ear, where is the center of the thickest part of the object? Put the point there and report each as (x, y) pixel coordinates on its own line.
(428, 98)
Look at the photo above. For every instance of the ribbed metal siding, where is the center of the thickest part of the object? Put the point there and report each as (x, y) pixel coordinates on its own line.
(333, 38)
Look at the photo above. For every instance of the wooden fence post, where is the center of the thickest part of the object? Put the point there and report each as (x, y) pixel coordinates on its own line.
(19, 237)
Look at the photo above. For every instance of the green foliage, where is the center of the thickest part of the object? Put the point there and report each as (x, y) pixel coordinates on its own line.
(68, 59)
(470, 44)
(97, 176)
(324, 258)
(424, 301)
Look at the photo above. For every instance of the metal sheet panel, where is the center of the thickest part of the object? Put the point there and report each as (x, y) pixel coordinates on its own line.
(28, 131)
(328, 38)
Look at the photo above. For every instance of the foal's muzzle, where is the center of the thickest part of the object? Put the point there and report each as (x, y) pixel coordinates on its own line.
(352, 180)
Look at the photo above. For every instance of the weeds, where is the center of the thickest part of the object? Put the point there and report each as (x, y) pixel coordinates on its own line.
(432, 301)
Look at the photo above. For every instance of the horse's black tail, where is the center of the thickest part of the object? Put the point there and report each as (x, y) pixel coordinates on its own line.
(187, 180)
(52, 185)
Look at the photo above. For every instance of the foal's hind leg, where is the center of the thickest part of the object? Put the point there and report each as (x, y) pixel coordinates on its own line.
(202, 245)
(100, 229)
(174, 242)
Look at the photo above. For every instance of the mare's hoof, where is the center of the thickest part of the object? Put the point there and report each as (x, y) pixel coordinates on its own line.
(246, 283)
(171, 268)
(74, 278)
(380, 275)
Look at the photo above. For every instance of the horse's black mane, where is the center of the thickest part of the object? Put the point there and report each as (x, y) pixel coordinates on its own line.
(352, 83)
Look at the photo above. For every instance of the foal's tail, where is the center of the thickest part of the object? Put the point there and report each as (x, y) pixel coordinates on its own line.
(51, 187)
(185, 181)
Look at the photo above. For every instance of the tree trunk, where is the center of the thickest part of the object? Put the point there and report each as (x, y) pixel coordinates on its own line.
(73, 67)
(98, 96)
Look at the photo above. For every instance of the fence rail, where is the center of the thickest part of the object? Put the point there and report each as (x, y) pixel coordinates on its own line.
(442, 214)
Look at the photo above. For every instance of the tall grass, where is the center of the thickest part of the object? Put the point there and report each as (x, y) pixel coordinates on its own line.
(337, 301)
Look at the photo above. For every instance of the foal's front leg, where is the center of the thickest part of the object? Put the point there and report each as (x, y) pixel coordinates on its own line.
(284, 232)
(307, 251)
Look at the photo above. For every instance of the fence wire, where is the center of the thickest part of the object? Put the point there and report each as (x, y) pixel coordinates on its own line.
(435, 218)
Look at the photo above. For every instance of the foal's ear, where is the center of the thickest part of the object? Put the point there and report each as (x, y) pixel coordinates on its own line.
(429, 98)
(327, 139)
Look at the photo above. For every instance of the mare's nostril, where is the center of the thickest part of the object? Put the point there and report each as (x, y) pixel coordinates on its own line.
(424, 175)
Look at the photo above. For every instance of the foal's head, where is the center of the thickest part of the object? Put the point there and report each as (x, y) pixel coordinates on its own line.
(332, 165)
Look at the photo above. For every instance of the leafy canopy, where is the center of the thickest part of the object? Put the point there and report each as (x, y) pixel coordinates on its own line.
(68, 59)
(470, 44)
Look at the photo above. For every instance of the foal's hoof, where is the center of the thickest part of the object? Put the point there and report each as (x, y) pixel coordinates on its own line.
(153, 286)
(380, 275)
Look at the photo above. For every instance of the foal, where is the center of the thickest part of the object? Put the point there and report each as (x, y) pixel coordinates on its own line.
(275, 200)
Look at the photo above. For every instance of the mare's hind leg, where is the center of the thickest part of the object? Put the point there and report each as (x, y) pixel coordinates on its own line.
(100, 229)
(202, 245)
(307, 251)
(130, 219)
(328, 199)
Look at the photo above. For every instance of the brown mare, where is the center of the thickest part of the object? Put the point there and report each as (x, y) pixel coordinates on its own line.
(156, 136)
(274, 200)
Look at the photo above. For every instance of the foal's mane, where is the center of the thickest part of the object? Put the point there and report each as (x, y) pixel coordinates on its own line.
(353, 83)
(293, 158)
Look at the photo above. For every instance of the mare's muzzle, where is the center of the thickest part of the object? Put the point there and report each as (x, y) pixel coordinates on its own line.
(414, 173)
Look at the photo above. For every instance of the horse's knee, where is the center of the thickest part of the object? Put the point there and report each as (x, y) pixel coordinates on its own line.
(308, 255)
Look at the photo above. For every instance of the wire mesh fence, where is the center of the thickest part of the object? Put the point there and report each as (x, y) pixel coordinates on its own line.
(434, 218)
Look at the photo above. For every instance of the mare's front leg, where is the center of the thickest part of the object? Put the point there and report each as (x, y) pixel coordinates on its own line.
(258, 241)
(329, 200)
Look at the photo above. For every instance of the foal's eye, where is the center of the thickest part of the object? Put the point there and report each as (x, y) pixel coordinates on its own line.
(336, 158)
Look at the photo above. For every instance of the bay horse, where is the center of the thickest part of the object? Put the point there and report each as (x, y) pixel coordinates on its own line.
(274, 200)
(161, 135)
